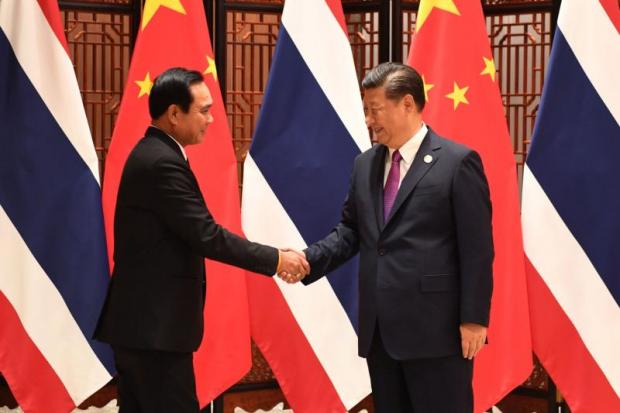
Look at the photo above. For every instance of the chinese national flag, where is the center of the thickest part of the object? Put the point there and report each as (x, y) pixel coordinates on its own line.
(450, 49)
(174, 33)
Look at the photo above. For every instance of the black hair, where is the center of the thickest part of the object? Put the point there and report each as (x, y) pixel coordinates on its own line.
(172, 88)
(397, 80)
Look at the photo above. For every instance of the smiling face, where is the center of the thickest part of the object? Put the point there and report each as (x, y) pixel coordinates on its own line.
(189, 127)
(389, 119)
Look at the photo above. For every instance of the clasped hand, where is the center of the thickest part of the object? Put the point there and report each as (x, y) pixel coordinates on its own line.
(293, 266)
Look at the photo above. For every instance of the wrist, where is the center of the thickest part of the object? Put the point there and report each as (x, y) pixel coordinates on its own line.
(278, 267)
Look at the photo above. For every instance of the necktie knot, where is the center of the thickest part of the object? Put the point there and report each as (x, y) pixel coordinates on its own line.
(396, 157)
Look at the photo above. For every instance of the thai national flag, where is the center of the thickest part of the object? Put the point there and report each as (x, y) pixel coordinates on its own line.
(53, 261)
(296, 177)
(571, 209)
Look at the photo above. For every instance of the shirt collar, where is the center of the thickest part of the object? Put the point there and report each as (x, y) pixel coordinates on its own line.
(410, 148)
(175, 141)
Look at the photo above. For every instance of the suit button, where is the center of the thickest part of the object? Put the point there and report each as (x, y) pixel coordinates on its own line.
(382, 252)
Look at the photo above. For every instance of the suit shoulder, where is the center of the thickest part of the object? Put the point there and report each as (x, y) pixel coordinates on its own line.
(368, 154)
(456, 149)
(149, 151)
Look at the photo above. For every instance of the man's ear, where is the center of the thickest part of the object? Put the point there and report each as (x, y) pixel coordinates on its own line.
(172, 113)
(409, 103)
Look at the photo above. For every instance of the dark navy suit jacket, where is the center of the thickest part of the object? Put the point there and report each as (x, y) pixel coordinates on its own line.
(429, 267)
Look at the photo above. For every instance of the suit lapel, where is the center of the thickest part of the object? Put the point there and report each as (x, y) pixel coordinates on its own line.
(376, 176)
(418, 169)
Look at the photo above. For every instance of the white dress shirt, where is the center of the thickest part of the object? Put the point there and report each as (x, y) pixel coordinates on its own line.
(408, 152)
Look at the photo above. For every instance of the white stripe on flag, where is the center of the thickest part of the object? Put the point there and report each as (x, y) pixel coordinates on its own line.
(312, 26)
(48, 66)
(596, 42)
(45, 317)
(311, 305)
(571, 277)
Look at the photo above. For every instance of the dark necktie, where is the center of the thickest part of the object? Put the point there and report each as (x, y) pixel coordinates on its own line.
(391, 185)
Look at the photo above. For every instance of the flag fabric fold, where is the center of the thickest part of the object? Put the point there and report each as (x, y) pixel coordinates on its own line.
(173, 34)
(451, 51)
(53, 260)
(296, 175)
(570, 209)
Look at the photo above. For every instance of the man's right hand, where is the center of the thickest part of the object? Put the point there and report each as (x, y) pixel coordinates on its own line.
(293, 266)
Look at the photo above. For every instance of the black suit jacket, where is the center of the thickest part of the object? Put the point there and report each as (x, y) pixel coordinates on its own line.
(162, 232)
(429, 267)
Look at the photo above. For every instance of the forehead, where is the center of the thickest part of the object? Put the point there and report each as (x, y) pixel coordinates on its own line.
(374, 95)
(201, 94)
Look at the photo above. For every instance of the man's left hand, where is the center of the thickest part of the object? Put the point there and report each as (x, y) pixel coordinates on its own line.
(473, 337)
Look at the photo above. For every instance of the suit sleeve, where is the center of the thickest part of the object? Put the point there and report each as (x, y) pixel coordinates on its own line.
(178, 201)
(472, 213)
(340, 245)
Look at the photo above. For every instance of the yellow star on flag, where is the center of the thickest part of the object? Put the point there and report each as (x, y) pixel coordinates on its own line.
(427, 6)
(489, 68)
(152, 6)
(458, 95)
(211, 69)
(427, 87)
(145, 85)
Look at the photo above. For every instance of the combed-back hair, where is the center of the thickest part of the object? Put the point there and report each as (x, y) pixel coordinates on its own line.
(172, 88)
(397, 81)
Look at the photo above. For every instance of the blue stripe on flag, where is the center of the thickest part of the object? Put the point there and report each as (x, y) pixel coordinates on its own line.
(574, 156)
(52, 198)
(306, 155)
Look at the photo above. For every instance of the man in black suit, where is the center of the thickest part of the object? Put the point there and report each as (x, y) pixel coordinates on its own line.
(153, 315)
(419, 213)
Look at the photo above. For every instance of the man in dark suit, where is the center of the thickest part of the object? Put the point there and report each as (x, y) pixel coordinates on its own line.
(418, 212)
(153, 315)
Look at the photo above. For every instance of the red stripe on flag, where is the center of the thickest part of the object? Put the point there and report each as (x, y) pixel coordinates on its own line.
(288, 351)
(564, 355)
(612, 8)
(52, 13)
(25, 368)
(336, 8)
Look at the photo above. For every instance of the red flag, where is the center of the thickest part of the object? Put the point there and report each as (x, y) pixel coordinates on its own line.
(451, 50)
(174, 33)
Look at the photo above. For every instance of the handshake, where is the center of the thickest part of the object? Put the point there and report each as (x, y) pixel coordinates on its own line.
(293, 266)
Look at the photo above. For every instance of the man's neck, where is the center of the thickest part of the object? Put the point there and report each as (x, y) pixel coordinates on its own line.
(410, 134)
(155, 125)
(167, 130)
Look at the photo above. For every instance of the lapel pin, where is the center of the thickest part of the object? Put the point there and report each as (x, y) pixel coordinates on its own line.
(428, 159)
